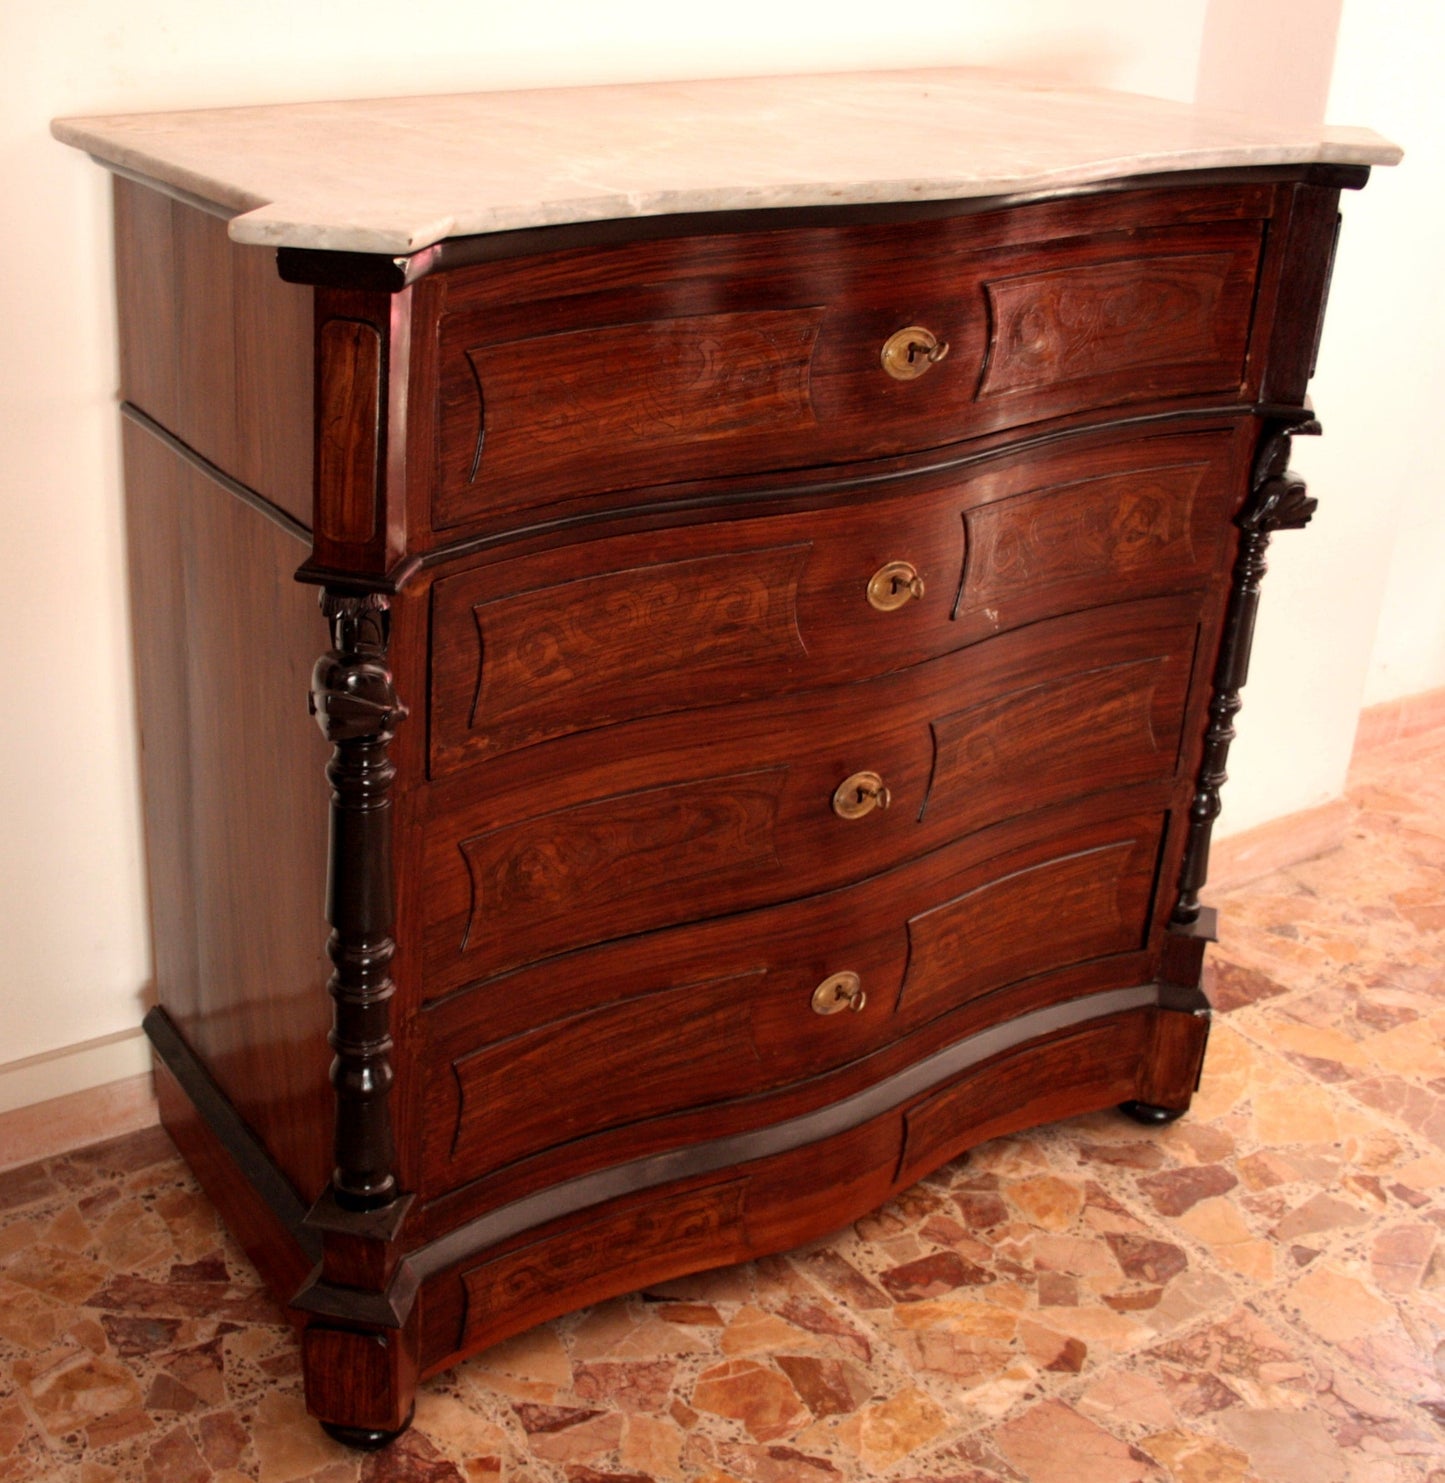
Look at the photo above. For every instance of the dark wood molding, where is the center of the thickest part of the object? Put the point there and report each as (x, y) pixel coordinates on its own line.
(225, 1123)
(203, 465)
(356, 706)
(1278, 500)
(814, 1127)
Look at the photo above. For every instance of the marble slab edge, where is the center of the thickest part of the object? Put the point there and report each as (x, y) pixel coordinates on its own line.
(394, 176)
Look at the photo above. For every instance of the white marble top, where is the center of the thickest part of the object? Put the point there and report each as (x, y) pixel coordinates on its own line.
(397, 174)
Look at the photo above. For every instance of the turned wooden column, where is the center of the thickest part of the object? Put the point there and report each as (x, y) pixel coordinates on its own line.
(355, 704)
(1277, 501)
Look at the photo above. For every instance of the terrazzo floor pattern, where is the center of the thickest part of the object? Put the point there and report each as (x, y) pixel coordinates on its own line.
(1256, 1292)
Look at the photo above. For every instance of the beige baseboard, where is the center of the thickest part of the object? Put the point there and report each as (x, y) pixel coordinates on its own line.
(1276, 845)
(1394, 720)
(76, 1120)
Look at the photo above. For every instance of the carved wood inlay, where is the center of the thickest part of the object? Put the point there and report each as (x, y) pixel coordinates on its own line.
(540, 1089)
(1063, 911)
(1111, 529)
(1039, 746)
(687, 1225)
(1074, 324)
(650, 385)
(590, 653)
(348, 429)
(617, 866)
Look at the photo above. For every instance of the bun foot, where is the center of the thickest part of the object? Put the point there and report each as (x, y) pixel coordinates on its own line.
(1149, 1115)
(362, 1438)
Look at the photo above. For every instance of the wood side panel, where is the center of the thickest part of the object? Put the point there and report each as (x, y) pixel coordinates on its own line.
(214, 346)
(234, 797)
(860, 287)
(520, 869)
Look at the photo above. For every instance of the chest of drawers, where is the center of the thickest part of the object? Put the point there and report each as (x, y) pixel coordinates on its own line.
(781, 669)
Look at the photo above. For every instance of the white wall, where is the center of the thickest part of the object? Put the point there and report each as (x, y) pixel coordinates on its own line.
(70, 880)
(1354, 608)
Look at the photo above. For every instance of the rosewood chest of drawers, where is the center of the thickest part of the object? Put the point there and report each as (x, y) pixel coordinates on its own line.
(781, 667)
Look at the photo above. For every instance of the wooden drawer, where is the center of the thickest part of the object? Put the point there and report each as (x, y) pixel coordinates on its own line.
(608, 631)
(591, 373)
(664, 825)
(708, 1015)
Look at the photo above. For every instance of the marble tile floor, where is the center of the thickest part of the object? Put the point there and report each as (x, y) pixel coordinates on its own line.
(1254, 1293)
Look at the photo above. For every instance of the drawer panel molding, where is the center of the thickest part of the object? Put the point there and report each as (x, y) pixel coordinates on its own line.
(919, 943)
(528, 650)
(1164, 316)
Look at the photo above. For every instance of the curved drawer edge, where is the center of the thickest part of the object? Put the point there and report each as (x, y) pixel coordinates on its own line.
(776, 1188)
(919, 1079)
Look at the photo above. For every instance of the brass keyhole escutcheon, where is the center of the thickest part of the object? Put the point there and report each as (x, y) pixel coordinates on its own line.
(839, 991)
(893, 585)
(909, 353)
(860, 795)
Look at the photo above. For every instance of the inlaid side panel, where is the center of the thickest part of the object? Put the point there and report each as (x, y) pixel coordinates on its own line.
(628, 643)
(502, 1111)
(560, 880)
(1035, 746)
(1151, 316)
(633, 391)
(1081, 906)
(1095, 535)
(348, 430)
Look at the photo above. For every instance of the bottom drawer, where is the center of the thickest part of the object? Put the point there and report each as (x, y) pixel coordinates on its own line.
(731, 1009)
(513, 1278)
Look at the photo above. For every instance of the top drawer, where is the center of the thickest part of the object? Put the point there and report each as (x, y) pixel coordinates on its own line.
(593, 372)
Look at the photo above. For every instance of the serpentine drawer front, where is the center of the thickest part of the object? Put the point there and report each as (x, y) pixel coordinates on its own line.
(784, 641)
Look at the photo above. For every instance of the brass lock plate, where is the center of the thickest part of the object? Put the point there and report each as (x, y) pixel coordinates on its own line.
(839, 991)
(860, 794)
(909, 352)
(894, 585)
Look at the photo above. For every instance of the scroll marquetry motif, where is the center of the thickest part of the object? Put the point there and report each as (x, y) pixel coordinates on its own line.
(620, 645)
(1034, 747)
(348, 432)
(1134, 315)
(1119, 530)
(623, 864)
(1062, 911)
